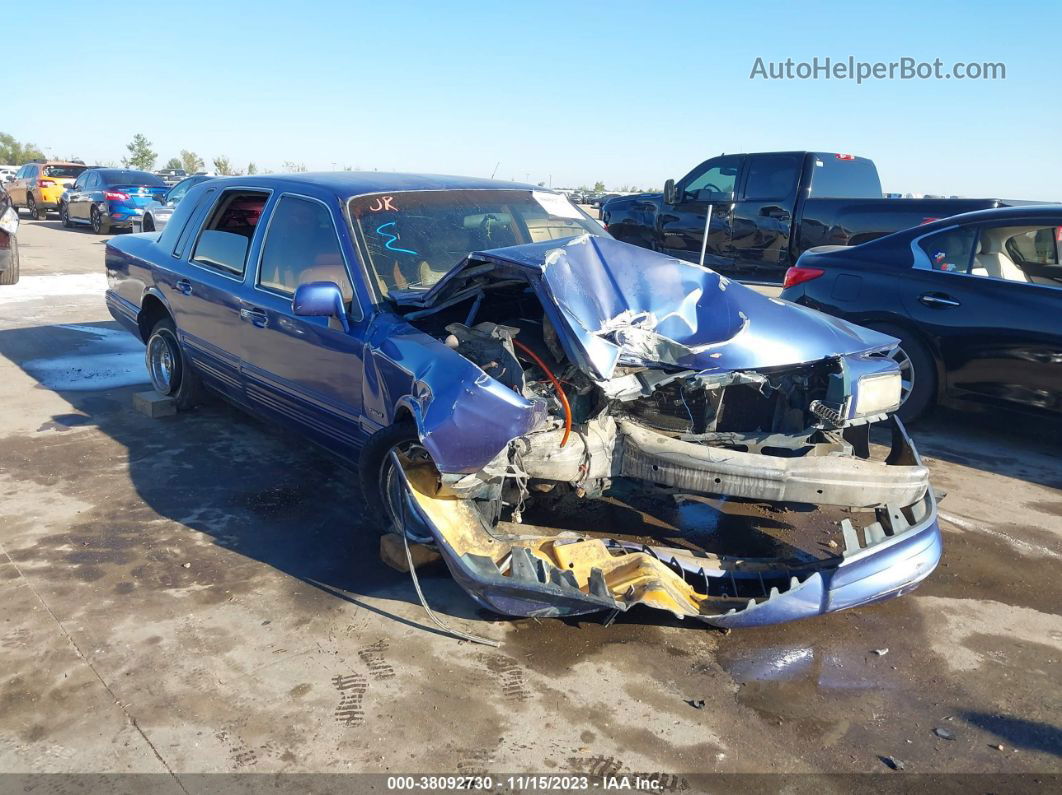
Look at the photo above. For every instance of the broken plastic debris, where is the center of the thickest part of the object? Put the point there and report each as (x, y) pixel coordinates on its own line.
(881, 652)
(893, 762)
(944, 734)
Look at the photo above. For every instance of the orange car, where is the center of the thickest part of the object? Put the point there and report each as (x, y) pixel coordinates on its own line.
(37, 186)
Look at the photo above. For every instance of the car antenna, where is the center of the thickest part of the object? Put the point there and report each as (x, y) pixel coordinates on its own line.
(495, 171)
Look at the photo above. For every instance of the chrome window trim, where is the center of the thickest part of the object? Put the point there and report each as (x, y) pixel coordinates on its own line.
(241, 277)
(257, 285)
(921, 260)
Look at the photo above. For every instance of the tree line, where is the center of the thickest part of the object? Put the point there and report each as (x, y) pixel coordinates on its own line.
(143, 158)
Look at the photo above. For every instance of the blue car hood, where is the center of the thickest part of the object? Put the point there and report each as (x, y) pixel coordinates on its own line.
(614, 303)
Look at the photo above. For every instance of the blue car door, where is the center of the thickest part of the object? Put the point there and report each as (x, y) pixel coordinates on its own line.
(209, 276)
(304, 371)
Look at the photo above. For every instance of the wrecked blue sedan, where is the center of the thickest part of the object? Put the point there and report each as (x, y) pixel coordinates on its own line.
(577, 425)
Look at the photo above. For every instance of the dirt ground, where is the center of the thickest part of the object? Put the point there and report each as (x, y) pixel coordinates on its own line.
(203, 594)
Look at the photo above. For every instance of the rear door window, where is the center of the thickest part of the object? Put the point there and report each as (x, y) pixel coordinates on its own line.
(772, 177)
(951, 250)
(226, 237)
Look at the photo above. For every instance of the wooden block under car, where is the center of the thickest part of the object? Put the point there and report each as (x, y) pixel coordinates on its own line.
(393, 553)
(152, 404)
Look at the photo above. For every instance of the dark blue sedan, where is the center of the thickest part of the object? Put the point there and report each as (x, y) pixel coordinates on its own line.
(974, 300)
(493, 362)
(110, 198)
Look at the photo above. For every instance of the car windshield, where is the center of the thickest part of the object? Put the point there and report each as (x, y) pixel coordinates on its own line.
(412, 239)
(126, 177)
(70, 172)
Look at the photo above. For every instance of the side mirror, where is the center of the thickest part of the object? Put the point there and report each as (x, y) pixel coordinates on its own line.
(320, 299)
(669, 192)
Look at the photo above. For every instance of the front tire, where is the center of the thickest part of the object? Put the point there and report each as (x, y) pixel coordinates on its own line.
(64, 215)
(100, 225)
(381, 486)
(148, 224)
(918, 372)
(171, 373)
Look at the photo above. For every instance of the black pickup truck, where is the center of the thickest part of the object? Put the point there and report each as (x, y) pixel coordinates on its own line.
(768, 208)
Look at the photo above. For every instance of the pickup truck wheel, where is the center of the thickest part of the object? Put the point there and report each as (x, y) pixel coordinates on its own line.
(10, 276)
(100, 225)
(917, 371)
(170, 372)
(381, 484)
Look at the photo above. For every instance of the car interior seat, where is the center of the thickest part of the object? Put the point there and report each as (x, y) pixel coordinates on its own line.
(993, 261)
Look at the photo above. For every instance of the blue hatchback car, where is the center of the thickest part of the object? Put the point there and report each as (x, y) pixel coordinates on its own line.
(110, 198)
(500, 371)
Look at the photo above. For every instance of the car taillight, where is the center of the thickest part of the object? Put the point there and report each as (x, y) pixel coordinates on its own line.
(45, 183)
(798, 275)
(115, 195)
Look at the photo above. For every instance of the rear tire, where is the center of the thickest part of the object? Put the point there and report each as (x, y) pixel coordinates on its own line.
(100, 225)
(33, 210)
(170, 371)
(10, 276)
(918, 370)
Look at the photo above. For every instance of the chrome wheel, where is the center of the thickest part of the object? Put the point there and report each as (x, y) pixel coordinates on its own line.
(394, 493)
(97, 222)
(907, 373)
(162, 363)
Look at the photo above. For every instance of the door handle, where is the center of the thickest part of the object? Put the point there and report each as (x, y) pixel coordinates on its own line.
(257, 317)
(938, 300)
(183, 286)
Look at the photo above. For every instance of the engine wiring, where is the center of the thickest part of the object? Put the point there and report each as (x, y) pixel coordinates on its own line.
(561, 396)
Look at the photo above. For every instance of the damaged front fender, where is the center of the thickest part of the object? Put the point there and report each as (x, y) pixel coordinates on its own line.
(463, 416)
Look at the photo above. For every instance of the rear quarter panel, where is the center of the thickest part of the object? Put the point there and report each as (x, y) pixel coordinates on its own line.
(133, 264)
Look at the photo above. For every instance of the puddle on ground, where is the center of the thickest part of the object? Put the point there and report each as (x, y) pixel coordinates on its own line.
(100, 358)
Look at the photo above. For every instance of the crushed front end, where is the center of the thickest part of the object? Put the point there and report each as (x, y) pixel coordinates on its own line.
(701, 449)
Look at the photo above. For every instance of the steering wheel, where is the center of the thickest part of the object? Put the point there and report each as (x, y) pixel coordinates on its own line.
(713, 187)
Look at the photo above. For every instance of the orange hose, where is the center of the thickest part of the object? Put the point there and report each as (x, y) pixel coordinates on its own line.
(556, 385)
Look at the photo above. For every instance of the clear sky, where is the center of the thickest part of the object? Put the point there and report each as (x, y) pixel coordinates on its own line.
(571, 92)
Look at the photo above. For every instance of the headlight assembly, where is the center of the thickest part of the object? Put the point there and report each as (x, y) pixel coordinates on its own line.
(877, 394)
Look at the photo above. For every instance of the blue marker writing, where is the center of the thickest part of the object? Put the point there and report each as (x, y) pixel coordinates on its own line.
(380, 231)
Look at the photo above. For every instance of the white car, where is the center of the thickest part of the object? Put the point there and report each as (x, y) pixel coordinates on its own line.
(157, 214)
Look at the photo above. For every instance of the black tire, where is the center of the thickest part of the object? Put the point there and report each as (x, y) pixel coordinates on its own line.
(64, 215)
(100, 225)
(923, 386)
(183, 383)
(374, 471)
(10, 276)
(148, 224)
(34, 211)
